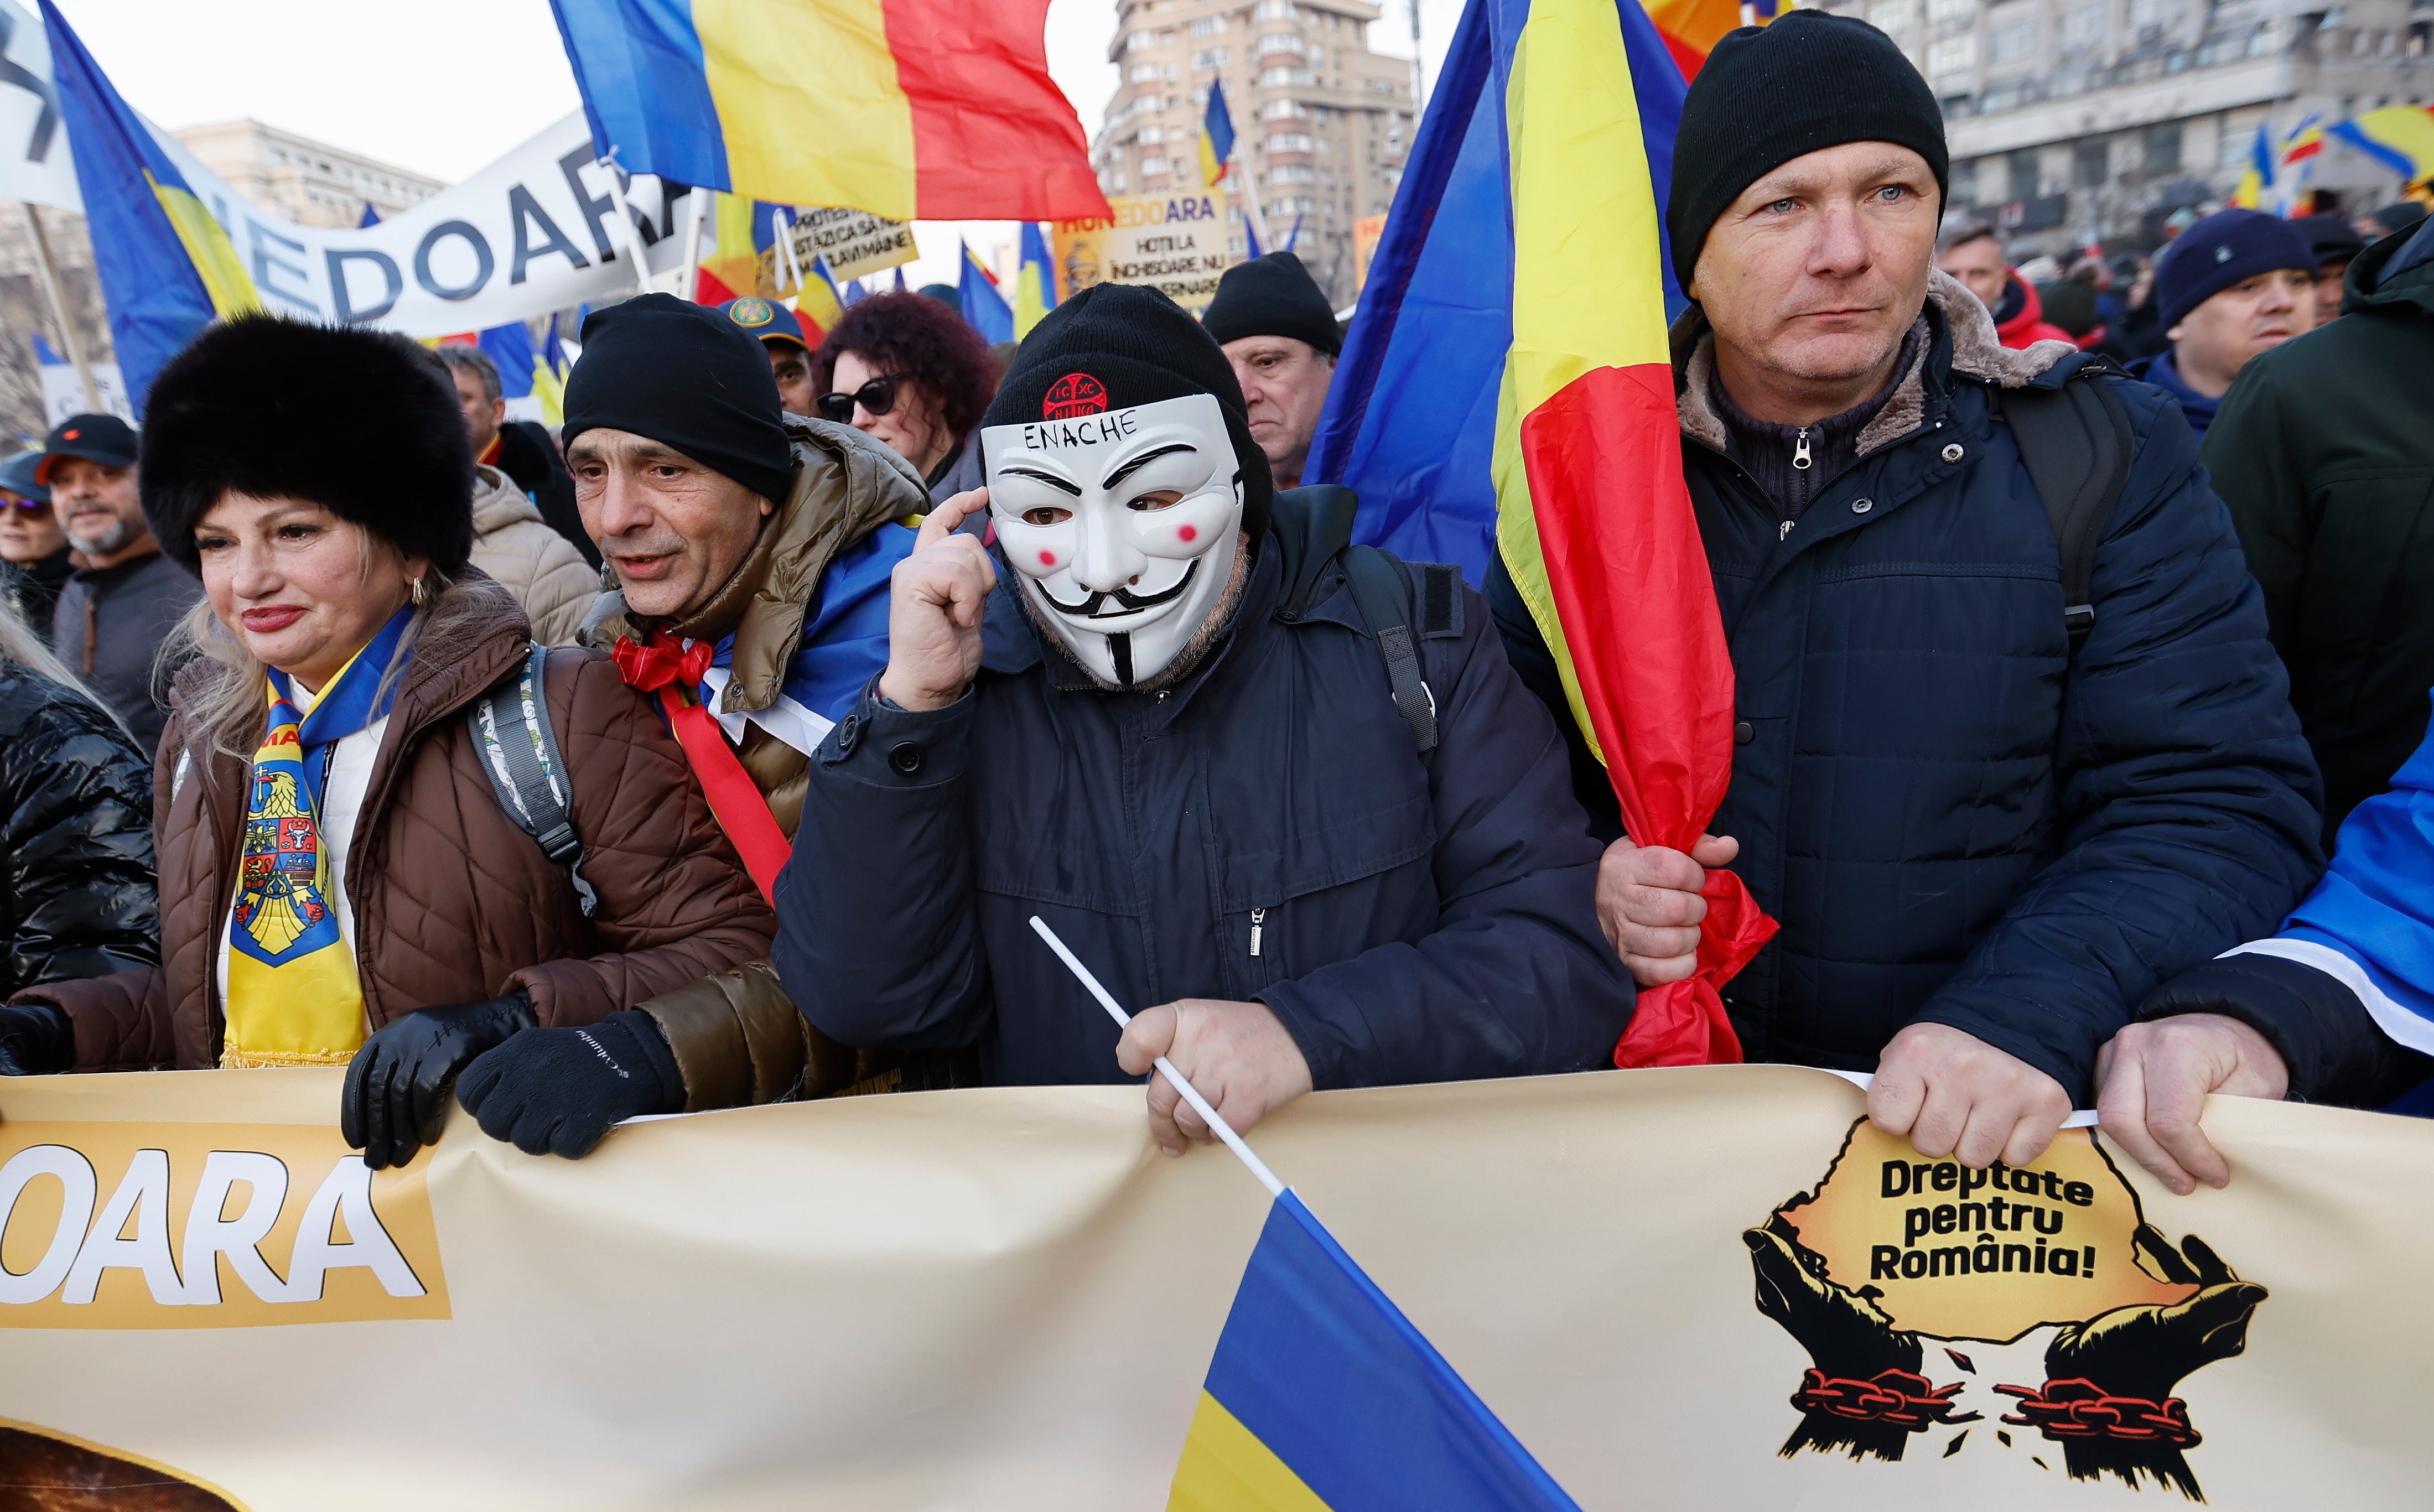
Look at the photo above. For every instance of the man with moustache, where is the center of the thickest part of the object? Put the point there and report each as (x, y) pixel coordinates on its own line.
(751, 550)
(120, 606)
(1989, 822)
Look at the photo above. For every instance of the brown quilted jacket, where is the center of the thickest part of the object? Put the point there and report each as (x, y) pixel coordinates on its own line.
(453, 903)
(736, 1037)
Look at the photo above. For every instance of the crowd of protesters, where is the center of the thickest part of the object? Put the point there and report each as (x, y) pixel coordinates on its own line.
(722, 747)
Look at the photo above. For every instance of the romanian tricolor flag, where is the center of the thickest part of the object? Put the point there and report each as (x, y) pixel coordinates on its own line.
(731, 267)
(167, 268)
(1692, 28)
(817, 303)
(1034, 291)
(940, 109)
(1216, 136)
(2401, 137)
(984, 308)
(1507, 386)
(2258, 175)
(549, 377)
(1322, 1398)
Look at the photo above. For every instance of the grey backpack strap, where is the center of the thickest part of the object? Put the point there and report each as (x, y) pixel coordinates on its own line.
(519, 748)
(2077, 445)
(1383, 589)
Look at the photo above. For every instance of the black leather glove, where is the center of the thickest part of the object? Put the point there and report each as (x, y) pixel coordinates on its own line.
(555, 1091)
(35, 1039)
(397, 1087)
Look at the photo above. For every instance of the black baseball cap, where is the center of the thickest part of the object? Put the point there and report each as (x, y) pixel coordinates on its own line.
(103, 438)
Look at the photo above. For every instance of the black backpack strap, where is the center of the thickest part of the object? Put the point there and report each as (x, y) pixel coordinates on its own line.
(1382, 588)
(2077, 447)
(511, 730)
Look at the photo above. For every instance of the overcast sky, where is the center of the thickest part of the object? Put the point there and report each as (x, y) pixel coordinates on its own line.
(444, 86)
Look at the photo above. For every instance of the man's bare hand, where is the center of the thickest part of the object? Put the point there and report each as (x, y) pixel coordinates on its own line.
(1648, 903)
(1953, 1093)
(935, 600)
(2153, 1080)
(1237, 1055)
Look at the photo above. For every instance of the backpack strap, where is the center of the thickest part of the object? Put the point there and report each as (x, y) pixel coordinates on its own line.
(2077, 445)
(1382, 588)
(511, 730)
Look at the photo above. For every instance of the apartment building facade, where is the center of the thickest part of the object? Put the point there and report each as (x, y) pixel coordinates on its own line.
(307, 181)
(1322, 123)
(2080, 121)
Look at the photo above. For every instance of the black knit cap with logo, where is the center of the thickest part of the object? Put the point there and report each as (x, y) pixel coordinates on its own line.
(1114, 346)
(1767, 94)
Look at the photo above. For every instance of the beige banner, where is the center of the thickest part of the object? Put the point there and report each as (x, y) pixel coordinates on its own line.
(1177, 244)
(1006, 1299)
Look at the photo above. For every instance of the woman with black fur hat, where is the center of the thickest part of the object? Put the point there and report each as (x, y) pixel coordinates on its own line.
(343, 886)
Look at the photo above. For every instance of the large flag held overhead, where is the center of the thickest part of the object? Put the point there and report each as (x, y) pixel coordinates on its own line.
(936, 108)
(1507, 386)
(1692, 28)
(2401, 137)
(167, 269)
(1323, 1398)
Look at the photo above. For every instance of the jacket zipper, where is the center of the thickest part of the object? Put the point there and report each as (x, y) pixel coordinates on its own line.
(1258, 917)
(1800, 451)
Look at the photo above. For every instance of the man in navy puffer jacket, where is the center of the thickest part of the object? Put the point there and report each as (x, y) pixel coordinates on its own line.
(1983, 849)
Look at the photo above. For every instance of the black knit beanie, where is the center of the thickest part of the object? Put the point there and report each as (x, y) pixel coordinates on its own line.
(1767, 94)
(685, 376)
(363, 423)
(1116, 345)
(1272, 295)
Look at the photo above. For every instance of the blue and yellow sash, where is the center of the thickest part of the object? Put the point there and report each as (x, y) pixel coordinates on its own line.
(293, 995)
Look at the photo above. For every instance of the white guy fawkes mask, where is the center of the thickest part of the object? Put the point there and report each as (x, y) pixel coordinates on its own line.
(1121, 525)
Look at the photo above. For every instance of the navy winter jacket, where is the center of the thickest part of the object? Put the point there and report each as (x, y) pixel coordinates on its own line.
(1415, 922)
(1955, 821)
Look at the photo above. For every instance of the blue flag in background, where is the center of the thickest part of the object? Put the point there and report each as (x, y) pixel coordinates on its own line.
(510, 348)
(371, 217)
(984, 309)
(167, 268)
(1322, 1395)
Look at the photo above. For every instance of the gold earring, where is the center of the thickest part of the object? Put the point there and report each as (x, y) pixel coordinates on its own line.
(421, 590)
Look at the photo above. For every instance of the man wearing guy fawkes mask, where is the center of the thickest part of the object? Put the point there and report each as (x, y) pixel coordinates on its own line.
(1113, 717)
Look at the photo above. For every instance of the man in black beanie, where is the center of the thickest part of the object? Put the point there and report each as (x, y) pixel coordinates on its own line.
(1175, 742)
(1992, 797)
(752, 550)
(1279, 333)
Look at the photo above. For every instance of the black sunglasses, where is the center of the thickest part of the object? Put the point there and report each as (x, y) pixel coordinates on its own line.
(877, 396)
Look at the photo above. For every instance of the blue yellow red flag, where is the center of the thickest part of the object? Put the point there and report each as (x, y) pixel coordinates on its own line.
(167, 268)
(549, 377)
(1506, 396)
(984, 308)
(2399, 137)
(510, 349)
(2258, 175)
(1216, 136)
(817, 305)
(1323, 1398)
(936, 108)
(1692, 28)
(1034, 292)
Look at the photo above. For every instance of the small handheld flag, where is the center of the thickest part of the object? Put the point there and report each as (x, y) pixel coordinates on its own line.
(984, 309)
(818, 305)
(1322, 1394)
(1216, 137)
(2258, 177)
(1034, 292)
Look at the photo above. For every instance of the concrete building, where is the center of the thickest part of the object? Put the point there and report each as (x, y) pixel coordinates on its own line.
(310, 182)
(2078, 121)
(1322, 122)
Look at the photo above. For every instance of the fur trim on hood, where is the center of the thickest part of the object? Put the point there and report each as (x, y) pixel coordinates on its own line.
(364, 422)
(1977, 353)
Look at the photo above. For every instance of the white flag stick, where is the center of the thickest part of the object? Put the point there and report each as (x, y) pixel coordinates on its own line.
(1165, 1067)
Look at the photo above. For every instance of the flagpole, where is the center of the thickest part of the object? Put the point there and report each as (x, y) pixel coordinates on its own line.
(1166, 1068)
(781, 232)
(633, 234)
(50, 278)
(689, 282)
(1250, 192)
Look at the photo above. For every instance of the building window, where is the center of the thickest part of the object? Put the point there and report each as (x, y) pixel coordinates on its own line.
(2163, 148)
(2023, 165)
(1152, 135)
(1274, 11)
(1283, 111)
(2088, 167)
(1277, 78)
(1143, 74)
(1208, 57)
(1894, 15)
(1278, 41)
(1150, 166)
(1292, 173)
(1953, 55)
(2015, 44)
(1948, 12)
(2082, 29)
(1208, 26)
(1290, 142)
(2153, 17)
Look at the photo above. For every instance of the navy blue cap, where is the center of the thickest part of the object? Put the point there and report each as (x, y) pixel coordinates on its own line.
(765, 318)
(103, 438)
(17, 476)
(2226, 248)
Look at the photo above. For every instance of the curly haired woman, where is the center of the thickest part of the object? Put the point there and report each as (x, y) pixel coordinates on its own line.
(908, 370)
